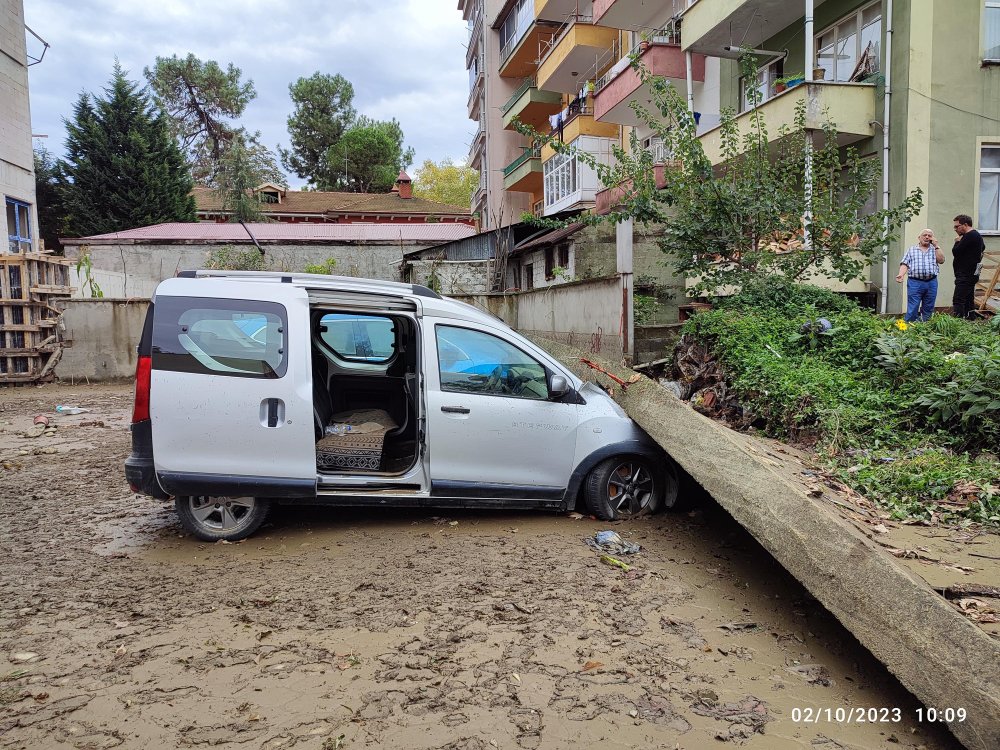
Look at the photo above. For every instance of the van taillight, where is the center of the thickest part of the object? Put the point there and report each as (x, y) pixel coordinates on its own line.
(143, 372)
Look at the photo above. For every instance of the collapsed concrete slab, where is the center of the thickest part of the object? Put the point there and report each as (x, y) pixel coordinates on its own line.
(942, 658)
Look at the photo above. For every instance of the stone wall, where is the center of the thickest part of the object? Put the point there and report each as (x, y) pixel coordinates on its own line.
(451, 277)
(135, 270)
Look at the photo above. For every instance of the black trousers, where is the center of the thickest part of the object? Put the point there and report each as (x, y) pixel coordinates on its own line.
(963, 302)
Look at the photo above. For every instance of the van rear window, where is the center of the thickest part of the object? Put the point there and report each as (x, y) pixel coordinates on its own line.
(358, 337)
(240, 338)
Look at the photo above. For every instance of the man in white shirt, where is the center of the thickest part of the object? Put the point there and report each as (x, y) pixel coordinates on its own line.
(922, 262)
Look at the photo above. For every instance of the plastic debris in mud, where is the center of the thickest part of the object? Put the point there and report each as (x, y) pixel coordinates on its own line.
(608, 542)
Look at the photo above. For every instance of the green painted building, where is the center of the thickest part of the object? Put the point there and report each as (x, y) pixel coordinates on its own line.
(941, 80)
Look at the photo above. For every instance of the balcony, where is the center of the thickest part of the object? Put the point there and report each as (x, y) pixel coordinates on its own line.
(709, 26)
(531, 105)
(578, 119)
(475, 37)
(478, 146)
(573, 54)
(612, 198)
(621, 84)
(850, 105)
(524, 174)
(630, 14)
(520, 59)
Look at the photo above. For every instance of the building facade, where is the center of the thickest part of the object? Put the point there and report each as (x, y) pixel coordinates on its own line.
(913, 84)
(19, 221)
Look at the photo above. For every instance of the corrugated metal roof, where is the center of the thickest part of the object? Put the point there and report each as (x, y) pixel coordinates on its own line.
(279, 232)
(550, 238)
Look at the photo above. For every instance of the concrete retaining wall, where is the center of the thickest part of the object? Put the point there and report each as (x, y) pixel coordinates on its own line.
(100, 338)
(942, 658)
(451, 277)
(587, 314)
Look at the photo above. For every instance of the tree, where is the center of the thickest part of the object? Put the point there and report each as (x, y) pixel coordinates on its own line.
(749, 217)
(242, 168)
(48, 198)
(368, 158)
(122, 169)
(446, 182)
(204, 103)
(323, 112)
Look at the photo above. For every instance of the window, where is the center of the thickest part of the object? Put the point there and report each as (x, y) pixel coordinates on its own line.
(989, 189)
(764, 86)
(564, 256)
(529, 276)
(476, 362)
(364, 338)
(560, 177)
(550, 263)
(991, 31)
(515, 26)
(239, 338)
(851, 50)
(18, 226)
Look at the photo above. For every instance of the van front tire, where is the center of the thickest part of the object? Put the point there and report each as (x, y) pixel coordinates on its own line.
(627, 487)
(215, 519)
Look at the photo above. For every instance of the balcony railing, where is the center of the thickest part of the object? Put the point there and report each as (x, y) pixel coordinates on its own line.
(533, 152)
(668, 35)
(576, 108)
(529, 83)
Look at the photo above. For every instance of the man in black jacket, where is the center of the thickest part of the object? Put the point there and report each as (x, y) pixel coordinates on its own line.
(967, 257)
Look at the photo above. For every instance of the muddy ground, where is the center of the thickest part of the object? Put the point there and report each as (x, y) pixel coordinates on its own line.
(397, 629)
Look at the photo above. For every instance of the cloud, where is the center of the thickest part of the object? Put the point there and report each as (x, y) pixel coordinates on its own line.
(405, 58)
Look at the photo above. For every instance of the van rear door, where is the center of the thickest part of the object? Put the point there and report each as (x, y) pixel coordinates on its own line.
(231, 388)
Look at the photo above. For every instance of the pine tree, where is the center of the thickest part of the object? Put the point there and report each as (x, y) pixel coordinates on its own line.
(123, 169)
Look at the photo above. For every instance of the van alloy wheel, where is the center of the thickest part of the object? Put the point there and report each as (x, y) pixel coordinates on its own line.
(624, 487)
(213, 518)
(630, 487)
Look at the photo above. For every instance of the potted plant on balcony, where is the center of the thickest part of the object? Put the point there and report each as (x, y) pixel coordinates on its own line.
(644, 42)
(819, 74)
(788, 81)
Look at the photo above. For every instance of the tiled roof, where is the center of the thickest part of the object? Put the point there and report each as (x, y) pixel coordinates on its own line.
(316, 202)
(430, 233)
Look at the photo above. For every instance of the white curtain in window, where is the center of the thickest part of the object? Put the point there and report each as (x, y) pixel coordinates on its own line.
(991, 26)
(989, 201)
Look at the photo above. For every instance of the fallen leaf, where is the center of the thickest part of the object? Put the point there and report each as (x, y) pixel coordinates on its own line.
(263, 634)
(453, 523)
(121, 651)
(41, 697)
(253, 717)
(592, 665)
(516, 678)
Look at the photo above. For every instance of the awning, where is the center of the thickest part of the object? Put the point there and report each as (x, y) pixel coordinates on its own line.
(548, 238)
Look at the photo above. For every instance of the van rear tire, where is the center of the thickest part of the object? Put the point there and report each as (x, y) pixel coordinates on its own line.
(215, 519)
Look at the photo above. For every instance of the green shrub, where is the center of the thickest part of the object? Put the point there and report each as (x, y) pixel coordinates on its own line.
(325, 268)
(230, 258)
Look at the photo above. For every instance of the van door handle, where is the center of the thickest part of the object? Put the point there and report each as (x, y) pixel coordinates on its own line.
(454, 409)
(272, 412)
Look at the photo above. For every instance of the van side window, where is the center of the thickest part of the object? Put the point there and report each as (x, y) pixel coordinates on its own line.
(476, 362)
(240, 338)
(359, 337)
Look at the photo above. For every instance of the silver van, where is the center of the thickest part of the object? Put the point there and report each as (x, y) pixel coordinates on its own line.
(261, 388)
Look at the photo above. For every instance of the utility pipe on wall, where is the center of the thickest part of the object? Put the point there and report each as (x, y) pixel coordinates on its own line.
(690, 80)
(884, 292)
(808, 177)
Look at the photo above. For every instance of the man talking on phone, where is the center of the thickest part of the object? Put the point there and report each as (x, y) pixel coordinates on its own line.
(967, 260)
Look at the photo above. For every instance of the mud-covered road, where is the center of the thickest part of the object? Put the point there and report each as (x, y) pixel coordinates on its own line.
(390, 629)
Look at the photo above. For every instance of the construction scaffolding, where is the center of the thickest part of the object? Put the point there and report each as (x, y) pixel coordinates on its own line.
(987, 292)
(30, 338)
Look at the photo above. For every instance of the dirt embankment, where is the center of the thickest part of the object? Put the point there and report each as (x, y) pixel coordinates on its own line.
(396, 629)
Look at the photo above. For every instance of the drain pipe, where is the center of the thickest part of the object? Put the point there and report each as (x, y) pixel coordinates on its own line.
(689, 74)
(884, 291)
(808, 177)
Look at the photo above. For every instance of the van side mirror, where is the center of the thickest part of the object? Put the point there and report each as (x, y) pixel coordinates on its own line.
(558, 386)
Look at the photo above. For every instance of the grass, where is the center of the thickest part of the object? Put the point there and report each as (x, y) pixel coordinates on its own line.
(909, 415)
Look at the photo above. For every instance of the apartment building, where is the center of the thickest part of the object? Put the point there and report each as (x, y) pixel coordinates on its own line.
(562, 67)
(915, 84)
(19, 221)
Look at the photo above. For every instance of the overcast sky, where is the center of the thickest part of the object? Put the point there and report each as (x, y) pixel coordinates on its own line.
(405, 58)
